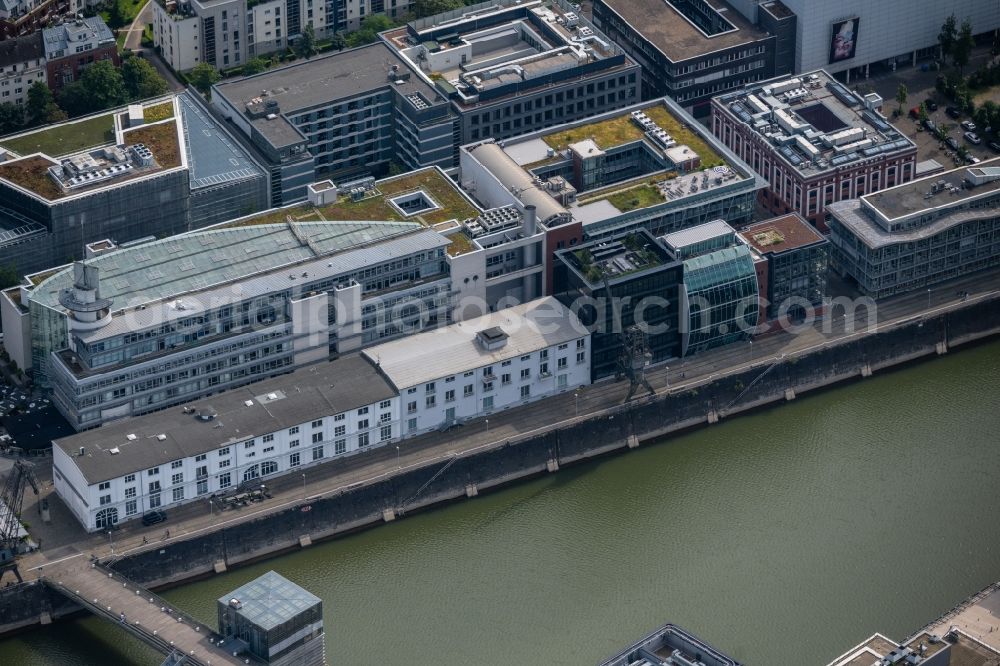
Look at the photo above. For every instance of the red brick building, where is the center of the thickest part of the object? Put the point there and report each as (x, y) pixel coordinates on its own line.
(814, 141)
(75, 45)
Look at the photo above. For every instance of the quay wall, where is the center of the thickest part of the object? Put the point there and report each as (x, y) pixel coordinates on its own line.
(616, 428)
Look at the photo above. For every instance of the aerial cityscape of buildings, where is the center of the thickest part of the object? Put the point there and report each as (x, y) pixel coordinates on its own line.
(484, 208)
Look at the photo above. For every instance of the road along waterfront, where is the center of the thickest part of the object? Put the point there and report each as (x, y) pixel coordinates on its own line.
(781, 537)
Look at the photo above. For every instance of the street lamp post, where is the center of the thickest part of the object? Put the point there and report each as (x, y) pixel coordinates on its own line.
(111, 542)
(487, 425)
(928, 298)
(303, 484)
(751, 352)
(211, 507)
(576, 402)
(397, 458)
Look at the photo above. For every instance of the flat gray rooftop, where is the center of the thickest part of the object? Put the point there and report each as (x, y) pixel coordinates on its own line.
(214, 157)
(676, 37)
(912, 197)
(161, 437)
(319, 80)
(271, 600)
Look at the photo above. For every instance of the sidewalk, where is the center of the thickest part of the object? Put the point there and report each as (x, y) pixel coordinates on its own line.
(65, 538)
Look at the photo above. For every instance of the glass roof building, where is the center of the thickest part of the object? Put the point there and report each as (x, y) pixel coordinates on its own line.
(719, 301)
(275, 620)
(134, 329)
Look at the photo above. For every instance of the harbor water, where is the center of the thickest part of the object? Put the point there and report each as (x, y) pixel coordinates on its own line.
(782, 537)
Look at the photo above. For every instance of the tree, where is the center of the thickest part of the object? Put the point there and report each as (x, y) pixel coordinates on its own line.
(73, 98)
(305, 45)
(203, 76)
(117, 17)
(901, 94)
(961, 50)
(368, 32)
(922, 112)
(947, 37)
(11, 117)
(8, 276)
(431, 7)
(255, 66)
(41, 106)
(104, 85)
(141, 78)
(338, 42)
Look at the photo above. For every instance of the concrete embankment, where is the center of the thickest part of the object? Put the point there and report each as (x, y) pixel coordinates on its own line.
(616, 429)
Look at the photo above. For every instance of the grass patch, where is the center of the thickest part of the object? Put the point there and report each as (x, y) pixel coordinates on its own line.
(161, 139)
(460, 244)
(606, 133)
(642, 196)
(152, 114)
(65, 138)
(32, 173)
(684, 136)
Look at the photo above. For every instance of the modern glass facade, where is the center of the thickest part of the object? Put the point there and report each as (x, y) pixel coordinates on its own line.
(720, 299)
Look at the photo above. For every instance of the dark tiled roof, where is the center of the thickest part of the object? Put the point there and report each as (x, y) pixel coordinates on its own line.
(16, 50)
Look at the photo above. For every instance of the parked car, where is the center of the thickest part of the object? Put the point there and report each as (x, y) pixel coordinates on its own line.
(968, 126)
(972, 159)
(973, 138)
(953, 112)
(994, 146)
(930, 125)
(930, 104)
(153, 517)
(915, 113)
(952, 143)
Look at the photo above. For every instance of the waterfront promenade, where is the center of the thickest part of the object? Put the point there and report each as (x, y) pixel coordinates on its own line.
(64, 539)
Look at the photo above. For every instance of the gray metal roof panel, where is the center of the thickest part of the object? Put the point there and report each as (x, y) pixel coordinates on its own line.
(450, 350)
(309, 393)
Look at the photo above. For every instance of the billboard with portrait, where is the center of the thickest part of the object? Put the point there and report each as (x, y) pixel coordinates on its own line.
(844, 41)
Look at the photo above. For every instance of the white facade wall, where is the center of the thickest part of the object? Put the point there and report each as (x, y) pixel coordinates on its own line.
(179, 39)
(266, 27)
(251, 460)
(16, 330)
(888, 28)
(16, 78)
(484, 390)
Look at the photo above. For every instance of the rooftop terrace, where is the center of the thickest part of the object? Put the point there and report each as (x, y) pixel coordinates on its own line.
(685, 29)
(780, 234)
(814, 123)
(442, 207)
(942, 190)
(491, 49)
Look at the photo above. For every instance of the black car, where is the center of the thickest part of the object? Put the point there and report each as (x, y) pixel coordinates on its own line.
(953, 112)
(930, 104)
(153, 517)
(995, 146)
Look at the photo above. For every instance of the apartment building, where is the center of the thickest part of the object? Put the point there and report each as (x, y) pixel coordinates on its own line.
(23, 17)
(75, 45)
(189, 32)
(22, 62)
(814, 141)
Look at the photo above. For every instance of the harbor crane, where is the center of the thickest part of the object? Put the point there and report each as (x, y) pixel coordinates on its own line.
(11, 500)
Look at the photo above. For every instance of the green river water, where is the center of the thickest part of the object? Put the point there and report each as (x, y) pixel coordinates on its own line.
(783, 538)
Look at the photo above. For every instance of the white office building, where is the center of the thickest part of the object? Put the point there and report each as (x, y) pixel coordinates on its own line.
(240, 437)
(485, 365)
